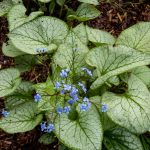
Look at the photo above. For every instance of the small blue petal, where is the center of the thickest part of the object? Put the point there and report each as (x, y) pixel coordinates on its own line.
(71, 101)
(43, 126)
(104, 108)
(37, 97)
(75, 97)
(85, 106)
(5, 113)
(62, 91)
(85, 99)
(87, 71)
(50, 128)
(64, 73)
(67, 87)
(83, 87)
(73, 92)
(59, 110)
(57, 85)
(88, 104)
(67, 109)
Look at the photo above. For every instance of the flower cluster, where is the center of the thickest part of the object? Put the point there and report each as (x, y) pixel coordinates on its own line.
(41, 50)
(72, 91)
(47, 127)
(5, 113)
(74, 95)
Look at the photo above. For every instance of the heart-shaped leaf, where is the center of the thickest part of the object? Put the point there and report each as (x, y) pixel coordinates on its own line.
(5, 6)
(22, 94)
(47, 139)
(25, 62)
(83, 133)
(143, 73)
(17, 16)
(137, 37)
(10, 50)
(43, 32)
(132, 109)
(121, 139)
(85, 12)
(73, 52)
(21, 119)
(111, 61)
(99, 37)
(94, 2)
(9, 80)
(66, 57)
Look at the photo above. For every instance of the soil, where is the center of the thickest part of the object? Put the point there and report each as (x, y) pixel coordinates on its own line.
(114, 18)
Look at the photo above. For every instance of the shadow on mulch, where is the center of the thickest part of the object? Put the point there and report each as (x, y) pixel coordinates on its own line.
(114, 18)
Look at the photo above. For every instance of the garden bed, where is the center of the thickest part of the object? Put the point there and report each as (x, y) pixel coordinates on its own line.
(114, 18)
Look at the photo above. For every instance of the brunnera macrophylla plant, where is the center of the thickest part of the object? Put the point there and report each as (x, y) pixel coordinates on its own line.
(97, 90)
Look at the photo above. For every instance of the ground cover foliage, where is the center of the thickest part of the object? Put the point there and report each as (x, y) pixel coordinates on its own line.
(76, 103)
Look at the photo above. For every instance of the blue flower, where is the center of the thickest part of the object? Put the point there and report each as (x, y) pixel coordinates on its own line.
(50, 128)
(67, 109)
(85, 99)
(62, 91)
(75, 97)
(5, 113)
(71, 101)
(37, 97)
(67, 87)
(43, 126)
(104, 108)
(59, 110)
(83, 87)
(85, 106)
(87, 71)
(73, 92)
(57, 85)
(64, 73)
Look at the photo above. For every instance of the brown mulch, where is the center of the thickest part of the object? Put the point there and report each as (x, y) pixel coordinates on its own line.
(5, 62)
(114, 18)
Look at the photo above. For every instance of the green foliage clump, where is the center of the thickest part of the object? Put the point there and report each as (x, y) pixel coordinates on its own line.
(94, 97)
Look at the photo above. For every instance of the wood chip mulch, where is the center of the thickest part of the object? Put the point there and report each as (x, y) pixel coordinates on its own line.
(114, 18)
